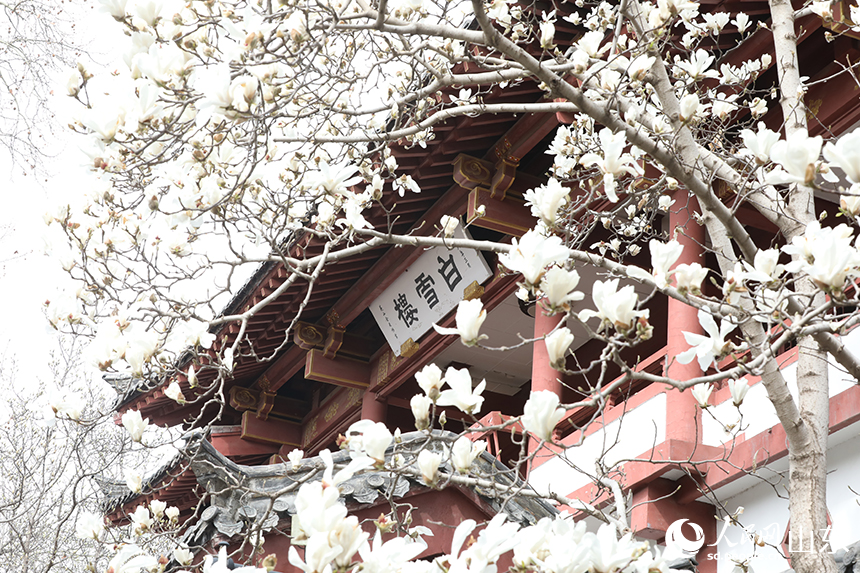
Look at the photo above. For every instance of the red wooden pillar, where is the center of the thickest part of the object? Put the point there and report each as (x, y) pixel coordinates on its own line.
(683, 418)
(544, 376)
(372, 408)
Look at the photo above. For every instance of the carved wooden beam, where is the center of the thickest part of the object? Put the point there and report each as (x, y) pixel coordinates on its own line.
(340, 371)
(271, 431)
(244, 399)
(510, 217)
(231, 444)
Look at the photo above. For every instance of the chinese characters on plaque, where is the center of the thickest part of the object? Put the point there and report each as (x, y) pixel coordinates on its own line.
(427, 291)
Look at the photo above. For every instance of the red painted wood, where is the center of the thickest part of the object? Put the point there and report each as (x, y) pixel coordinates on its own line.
(233, 445)
(271, 431)
(510, 216)
(683, 416)
(340, 371)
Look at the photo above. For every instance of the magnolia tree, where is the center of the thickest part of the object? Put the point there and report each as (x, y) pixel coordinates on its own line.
(38, 40)
(53, 444)
(230, 130)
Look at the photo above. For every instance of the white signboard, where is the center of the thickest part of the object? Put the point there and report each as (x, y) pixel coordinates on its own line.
(426, 292)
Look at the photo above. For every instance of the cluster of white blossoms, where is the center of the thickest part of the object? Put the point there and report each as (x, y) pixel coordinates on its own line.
(157, 516)
(459, 393)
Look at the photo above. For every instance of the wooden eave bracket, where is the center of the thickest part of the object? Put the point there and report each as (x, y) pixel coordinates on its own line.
(841, 22)
(489, 205)
(333, 340)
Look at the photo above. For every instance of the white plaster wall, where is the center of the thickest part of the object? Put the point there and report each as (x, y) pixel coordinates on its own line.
(767, 512)
(627, 437)
(757, 413)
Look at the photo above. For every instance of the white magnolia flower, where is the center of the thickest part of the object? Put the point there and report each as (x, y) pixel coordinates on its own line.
(197, 333)
(845, 153)
(739, 389)
(825, 254)
(765, 266)
(759, 143)
(707, 348)
(318, 556)
(371, 438)
(295, 457)
(689, 277)
(697, 66)
(134, 482)
(157, 507)
(428, 465)
(824, 9)
(464, 451)
(616, 307)
(135, 424)
(664, 202)
(70, 405)
(89, 526)
(174, 392)
(115, 8)
(541, 414)
(742, 21)
(449, 225)
(183, 556)
(722, 106)
(557, 344)
(547, 31)
(532, 254)
(849, 201)
(430, 380)
(132, 559)
(546, 200)
(614, 161)
(689, 107)
(469, 318)
(701, 393)
(663, 256)
(557, 285)
(172, 513)
(832, 266)
(797, 157)
(494, 540)
(758, 107)
(590, 44)
(460, 393)
(334, 179)
(243, 92)
(804, 246)
(420, 405)
(141, 519)
(640, 66)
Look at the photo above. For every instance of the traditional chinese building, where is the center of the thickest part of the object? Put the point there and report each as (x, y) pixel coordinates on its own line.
(366, 330)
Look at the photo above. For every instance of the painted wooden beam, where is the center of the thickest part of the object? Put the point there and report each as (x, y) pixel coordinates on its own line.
(322, 425)
(271, 431)
(243, 399)
(339, 371)
(232, 444)
(525, 135)
(510, 216)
